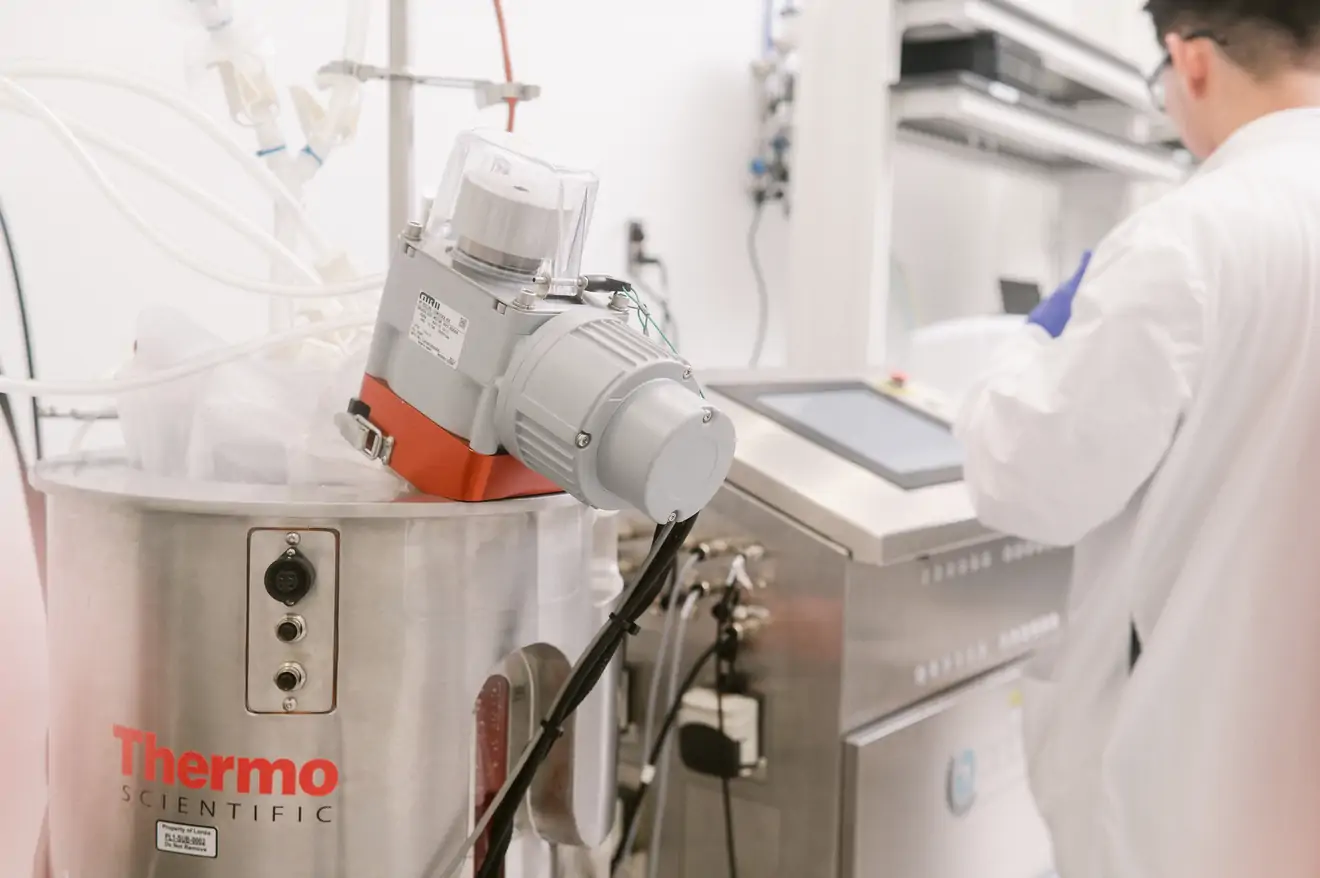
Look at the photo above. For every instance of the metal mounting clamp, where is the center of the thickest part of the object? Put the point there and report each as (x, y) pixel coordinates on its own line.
(487, 93)
(365, 436)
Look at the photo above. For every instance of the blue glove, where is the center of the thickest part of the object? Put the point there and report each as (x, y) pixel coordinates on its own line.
(1053, 314)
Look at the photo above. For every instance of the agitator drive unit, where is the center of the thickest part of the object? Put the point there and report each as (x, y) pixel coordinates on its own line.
(265, 682)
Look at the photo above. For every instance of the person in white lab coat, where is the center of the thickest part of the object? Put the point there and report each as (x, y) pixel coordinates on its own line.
(1162, 414)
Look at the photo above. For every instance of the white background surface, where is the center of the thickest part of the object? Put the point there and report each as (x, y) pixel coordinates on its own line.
(657, 97)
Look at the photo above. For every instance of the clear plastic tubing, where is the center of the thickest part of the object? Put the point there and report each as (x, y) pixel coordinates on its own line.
(60, 130)
(254, 166)
(195, 366)
(150, 166)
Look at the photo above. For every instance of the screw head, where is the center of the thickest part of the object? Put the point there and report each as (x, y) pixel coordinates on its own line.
(583, 440)
(707, 416)
(673, 517)
(293, 539)
(413, 231)
(290, 704)
(687, 373)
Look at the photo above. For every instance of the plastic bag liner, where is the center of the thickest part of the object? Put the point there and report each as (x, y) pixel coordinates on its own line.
(951, 356)
(266, 419)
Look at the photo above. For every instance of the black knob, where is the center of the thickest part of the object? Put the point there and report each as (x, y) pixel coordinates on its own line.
(290, 629)
(290, 577)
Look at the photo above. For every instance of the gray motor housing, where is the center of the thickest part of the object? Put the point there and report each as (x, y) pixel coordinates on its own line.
(561, 383)
(454, 388)
(613, 418)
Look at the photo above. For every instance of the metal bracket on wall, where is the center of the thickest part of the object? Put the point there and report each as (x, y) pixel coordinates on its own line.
(487, 93)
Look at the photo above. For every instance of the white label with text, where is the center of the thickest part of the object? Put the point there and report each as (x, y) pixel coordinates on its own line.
(191, 841)
(438, 329)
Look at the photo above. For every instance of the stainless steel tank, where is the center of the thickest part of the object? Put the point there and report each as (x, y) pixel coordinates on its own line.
(209, 720)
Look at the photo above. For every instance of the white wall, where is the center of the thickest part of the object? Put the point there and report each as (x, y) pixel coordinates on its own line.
(960, 222)
(963, 223)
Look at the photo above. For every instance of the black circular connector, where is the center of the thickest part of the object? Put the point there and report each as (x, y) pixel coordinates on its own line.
(290, 677)
(290, 577)
(290, 629)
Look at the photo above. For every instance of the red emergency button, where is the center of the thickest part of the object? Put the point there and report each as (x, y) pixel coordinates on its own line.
(898, 380)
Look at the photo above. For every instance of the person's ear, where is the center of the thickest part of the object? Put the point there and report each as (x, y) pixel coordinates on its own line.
(1192, 61)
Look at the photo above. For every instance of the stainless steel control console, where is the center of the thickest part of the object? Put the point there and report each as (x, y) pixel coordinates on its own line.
(889, 662)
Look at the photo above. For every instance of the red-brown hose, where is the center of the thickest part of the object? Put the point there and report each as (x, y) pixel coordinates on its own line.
(508, 59)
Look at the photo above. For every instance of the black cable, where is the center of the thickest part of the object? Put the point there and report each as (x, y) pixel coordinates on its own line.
(725, 795)
(762, 290)
(670, 590)
(726, 642)
(657, 748)
(576, 689)
(7, 411)
(586, 674)
(27, 335)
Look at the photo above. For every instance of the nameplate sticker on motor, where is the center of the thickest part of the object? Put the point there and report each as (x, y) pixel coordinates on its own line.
(191, 841)
(438, 329)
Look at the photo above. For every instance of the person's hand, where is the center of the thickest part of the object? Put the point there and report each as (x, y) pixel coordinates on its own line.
(1053, 314)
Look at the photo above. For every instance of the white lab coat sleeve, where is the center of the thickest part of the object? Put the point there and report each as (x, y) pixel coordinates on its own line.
(1062, 433)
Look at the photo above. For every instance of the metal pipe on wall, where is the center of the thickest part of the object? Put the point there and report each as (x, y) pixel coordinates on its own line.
(401, 168)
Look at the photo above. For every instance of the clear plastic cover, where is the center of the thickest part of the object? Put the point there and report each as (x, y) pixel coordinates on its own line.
(503, 208)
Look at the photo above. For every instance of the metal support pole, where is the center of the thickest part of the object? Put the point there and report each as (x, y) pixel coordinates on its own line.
(842, 195)
(402, 187)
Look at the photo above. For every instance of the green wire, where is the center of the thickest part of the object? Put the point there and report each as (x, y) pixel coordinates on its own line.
(644, 318)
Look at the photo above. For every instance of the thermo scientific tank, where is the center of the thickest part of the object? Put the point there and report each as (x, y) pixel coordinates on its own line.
(202, 726)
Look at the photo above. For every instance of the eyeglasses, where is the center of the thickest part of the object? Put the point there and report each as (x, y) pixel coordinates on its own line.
(1159, 93)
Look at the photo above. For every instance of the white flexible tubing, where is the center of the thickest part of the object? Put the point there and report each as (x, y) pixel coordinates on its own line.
(667, 752)
(45, 115)
(186, 369)
(654, 708)
(338, 121)
(149, 165)
(345, 93)
(359, 23)
(254, 166)
(80, 436)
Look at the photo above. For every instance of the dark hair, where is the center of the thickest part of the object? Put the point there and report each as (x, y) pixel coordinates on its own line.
(1261, 35)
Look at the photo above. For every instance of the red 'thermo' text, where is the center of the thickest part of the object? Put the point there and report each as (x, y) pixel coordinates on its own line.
(195, 771)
